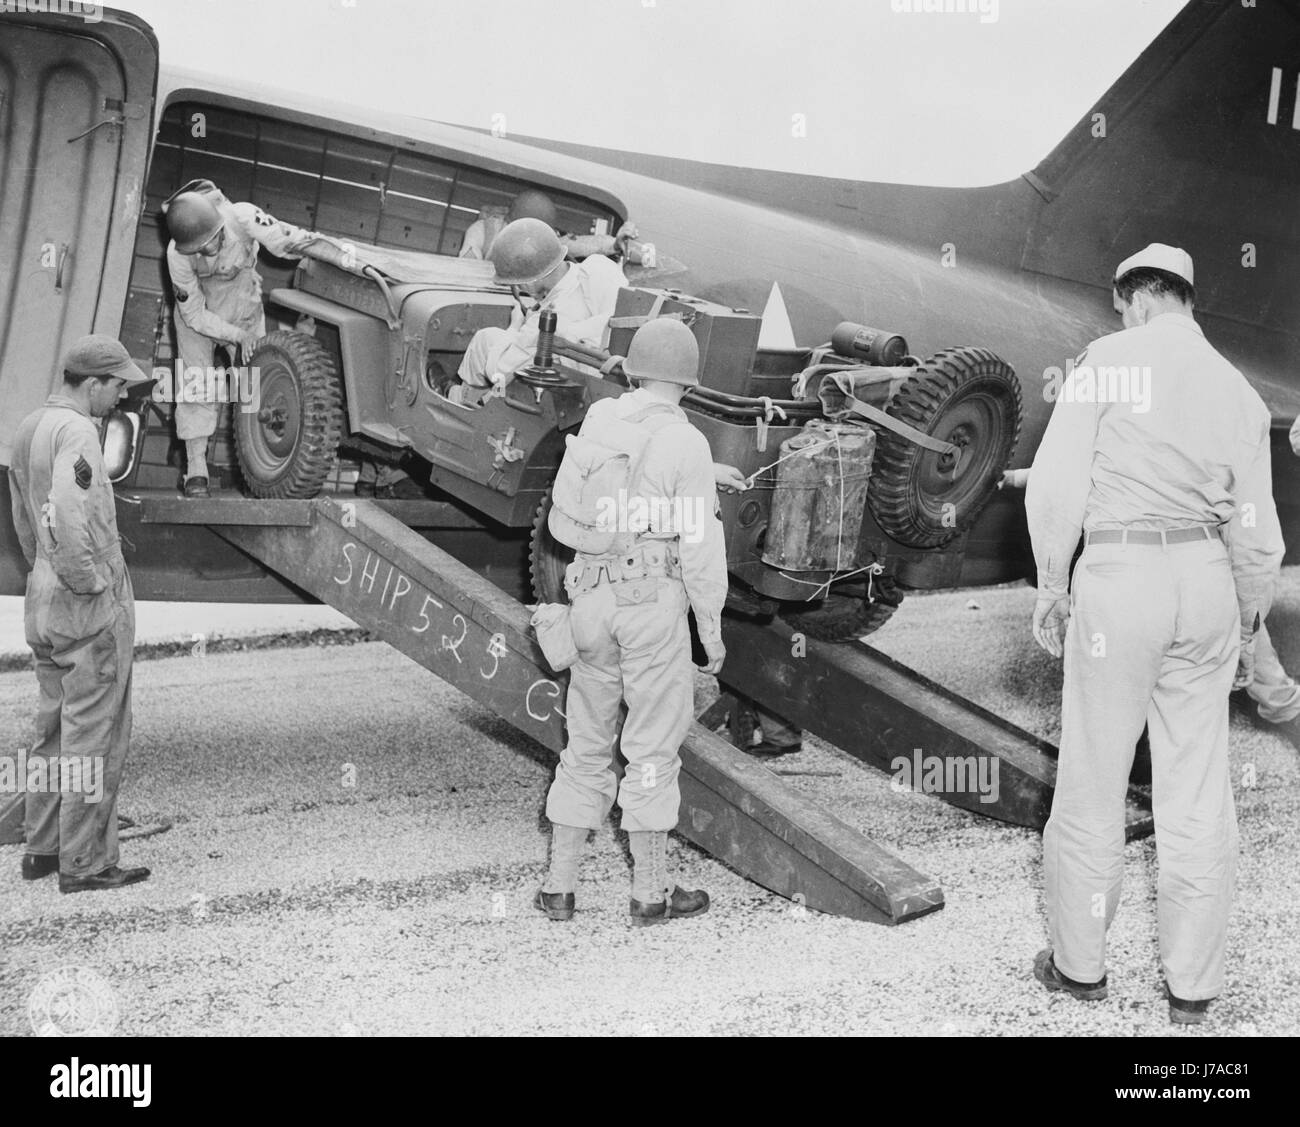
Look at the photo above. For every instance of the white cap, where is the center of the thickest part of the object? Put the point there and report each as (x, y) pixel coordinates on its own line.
(1159, 256)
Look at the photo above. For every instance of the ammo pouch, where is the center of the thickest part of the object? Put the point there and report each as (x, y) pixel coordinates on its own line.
(648, 560)
(554, 632)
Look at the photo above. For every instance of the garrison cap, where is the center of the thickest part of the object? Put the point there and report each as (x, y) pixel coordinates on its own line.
(1159, 256)
(102, 355)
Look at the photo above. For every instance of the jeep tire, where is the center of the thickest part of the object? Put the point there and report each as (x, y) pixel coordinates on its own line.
(965, 396)
(288, 445)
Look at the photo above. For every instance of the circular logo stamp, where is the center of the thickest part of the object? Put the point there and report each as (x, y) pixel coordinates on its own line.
(73, 1002)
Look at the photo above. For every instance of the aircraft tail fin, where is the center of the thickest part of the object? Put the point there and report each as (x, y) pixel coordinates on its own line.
(1197, 144)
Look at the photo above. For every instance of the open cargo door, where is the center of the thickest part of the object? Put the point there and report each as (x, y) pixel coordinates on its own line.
(76, 121)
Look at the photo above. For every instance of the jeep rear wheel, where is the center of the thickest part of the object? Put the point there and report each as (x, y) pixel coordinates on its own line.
(965, 396)
(844, 618)
(288, 445)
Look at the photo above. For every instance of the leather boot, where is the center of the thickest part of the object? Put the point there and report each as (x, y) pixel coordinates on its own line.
(649, 865)
(652, 902)
(556, 896)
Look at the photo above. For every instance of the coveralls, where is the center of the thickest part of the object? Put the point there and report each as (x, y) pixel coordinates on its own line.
(634, 644)
(219, 299)
(79, 617)
(1153, 636)
(583, 301)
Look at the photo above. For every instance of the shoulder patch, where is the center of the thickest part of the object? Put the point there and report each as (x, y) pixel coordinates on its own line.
(82, 472)
(262, 219)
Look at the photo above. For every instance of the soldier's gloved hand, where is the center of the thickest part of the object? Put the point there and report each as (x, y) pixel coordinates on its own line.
(500, 381)
(729, 479)
(247, 343)
(1014, 479)
(717, 654)
(1051, 617)
(1245, 662)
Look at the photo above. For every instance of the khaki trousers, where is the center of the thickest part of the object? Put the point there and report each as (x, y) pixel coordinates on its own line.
(199, 420)
(1153, 638)
(638, 652)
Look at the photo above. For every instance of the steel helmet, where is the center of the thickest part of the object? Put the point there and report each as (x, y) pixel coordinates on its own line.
(532, 204)
(664, 349)
(193, 220)
(525, 251)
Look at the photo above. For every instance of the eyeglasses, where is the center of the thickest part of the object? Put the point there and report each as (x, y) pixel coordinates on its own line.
(214, 244)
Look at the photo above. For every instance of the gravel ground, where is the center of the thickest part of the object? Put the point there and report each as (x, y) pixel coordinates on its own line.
(285, 901)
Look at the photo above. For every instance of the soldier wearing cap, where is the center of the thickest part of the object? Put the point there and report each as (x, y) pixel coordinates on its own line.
(80, 619)
(630, 630)
(529, 258)
(1171, 487)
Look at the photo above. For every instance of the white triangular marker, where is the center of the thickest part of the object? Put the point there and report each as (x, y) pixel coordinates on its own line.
(776, 330)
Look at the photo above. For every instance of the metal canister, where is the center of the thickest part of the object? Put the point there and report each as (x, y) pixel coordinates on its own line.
(819, 499)
(873, 346)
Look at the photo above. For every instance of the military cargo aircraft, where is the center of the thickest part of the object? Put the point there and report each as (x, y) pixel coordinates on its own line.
(1196, 145)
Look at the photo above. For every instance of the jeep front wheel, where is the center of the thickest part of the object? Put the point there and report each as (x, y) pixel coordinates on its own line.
(288, 444)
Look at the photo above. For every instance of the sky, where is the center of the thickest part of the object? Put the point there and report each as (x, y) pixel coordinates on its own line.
(861, 89)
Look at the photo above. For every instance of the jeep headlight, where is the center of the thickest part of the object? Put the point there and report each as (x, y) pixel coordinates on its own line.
(121, 430)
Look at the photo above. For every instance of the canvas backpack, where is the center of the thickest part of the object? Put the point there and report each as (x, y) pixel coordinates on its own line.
(599, 469)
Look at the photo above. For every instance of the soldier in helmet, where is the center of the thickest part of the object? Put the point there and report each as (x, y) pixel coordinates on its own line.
(483, 232)
(532, 204)
(212, 259)
(529, 258)
(630, 630)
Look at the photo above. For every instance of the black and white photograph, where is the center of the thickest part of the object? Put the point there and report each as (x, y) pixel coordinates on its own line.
(650, 519)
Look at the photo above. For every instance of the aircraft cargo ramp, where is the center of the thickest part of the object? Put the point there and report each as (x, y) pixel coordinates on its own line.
(368, 564)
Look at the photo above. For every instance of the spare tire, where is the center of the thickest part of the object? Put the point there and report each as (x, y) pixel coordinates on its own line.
(970, 398)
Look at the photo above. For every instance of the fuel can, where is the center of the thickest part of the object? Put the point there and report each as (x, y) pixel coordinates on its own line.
(819, 498)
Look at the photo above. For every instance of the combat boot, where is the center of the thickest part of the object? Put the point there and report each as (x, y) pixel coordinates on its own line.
(556, 896)
(36, 866)
(1184, 1012)
(649, 905)
(680, 905)
(112, 877)
(556, 905)
(1047, 972)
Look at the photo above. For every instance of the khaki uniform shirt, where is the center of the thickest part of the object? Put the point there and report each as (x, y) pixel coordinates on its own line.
(1154, 429)
(216, 295)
